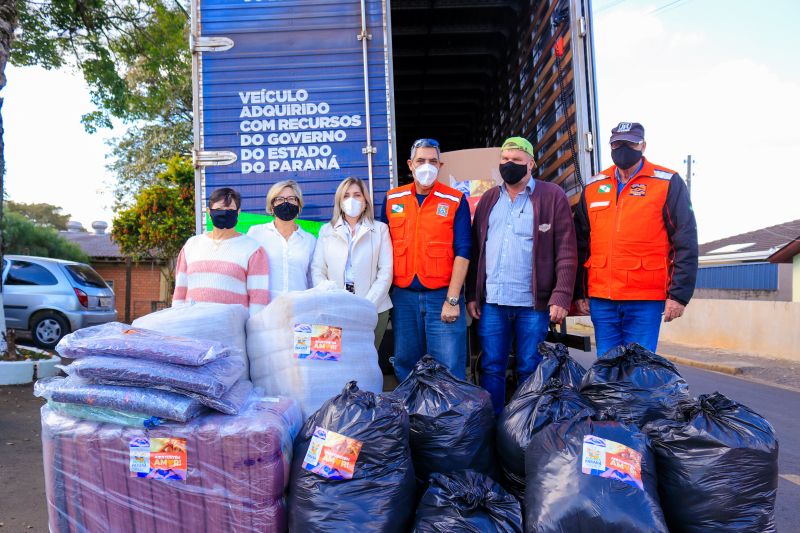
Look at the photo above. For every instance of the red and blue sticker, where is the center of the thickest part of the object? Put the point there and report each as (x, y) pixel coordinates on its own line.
(638, 189)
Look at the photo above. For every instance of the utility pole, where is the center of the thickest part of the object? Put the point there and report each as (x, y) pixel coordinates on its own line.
(689, 162)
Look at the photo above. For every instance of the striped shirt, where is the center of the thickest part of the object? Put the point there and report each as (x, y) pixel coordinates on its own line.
(236, 273)
(509, 249)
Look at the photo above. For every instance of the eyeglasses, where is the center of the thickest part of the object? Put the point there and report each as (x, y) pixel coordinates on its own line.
(424, 143)
(280, 199)
(617, 144)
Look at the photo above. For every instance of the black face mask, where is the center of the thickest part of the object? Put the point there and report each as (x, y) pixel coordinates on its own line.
(224, 218)
(625, 156)
(286, 211)
(512, 173)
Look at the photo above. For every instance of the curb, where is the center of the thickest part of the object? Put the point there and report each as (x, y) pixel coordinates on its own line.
(725, 369)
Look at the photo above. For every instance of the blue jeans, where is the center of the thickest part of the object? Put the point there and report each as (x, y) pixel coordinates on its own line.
(494, 331)
(621, 322)
(419, 330)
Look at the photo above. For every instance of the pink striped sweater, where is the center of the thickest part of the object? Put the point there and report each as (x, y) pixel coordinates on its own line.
(236, 273)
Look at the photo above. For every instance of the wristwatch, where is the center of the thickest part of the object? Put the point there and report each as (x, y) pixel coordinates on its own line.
(452, 300)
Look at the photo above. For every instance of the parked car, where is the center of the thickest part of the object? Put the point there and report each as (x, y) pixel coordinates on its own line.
(50, 297)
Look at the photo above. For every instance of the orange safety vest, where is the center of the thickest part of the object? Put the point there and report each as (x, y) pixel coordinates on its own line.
(629, 257)
(422, 236)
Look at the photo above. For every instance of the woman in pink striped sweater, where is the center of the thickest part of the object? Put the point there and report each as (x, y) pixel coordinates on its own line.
(223, 266)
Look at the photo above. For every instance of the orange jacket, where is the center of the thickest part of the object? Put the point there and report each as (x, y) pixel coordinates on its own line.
(422, 236)
(630, 246)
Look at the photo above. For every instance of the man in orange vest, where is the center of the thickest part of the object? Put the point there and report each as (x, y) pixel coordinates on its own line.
(430, 227)
(637, 245)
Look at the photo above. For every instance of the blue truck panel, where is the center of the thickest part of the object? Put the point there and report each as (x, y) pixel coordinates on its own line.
(288, 98)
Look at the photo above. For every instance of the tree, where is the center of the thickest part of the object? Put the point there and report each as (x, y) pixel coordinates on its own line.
(162, 219)
(22, 237)
(40, 214)
(135, 58)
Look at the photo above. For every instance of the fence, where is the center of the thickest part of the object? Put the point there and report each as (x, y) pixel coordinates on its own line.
(746, 276)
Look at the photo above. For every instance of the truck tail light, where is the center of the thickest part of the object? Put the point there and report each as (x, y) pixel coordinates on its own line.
(82, 298)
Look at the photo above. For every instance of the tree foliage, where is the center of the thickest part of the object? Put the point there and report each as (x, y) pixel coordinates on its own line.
(22, 236)
(135, 58)
(162, 219)
(40, 214)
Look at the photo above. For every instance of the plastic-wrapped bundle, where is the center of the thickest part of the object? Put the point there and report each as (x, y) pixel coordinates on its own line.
(149, 402)
(101, 414)
(452, 422)
(529, 411)
(122, 340)
(556, 363)
(230, 403)
(213, 379)
(352, 469)
(718, 469)
(467, 502)
(638, 384)
(235, 474)
(308, 345)
(223, 323)
(591, 474)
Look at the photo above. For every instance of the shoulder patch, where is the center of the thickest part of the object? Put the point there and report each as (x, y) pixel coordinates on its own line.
(598, 177)
(399, 195)
(663, 175)
(445, 196)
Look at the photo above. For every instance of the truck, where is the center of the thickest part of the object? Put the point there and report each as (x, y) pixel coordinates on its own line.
(320, 90)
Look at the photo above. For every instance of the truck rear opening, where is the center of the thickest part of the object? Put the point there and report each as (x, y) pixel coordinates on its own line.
(470, 73)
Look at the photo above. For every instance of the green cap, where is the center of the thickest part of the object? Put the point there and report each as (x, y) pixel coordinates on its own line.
(518, 143)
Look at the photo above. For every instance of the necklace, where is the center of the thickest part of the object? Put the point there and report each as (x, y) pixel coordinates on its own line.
(216, 244)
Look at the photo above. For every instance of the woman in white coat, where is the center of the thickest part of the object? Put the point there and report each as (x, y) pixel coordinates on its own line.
(355, 251)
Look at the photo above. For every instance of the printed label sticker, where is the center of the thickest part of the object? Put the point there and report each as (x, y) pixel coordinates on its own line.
(332, 455)
(317, 342)
(442, 210)
(609, 459)
(154, 458)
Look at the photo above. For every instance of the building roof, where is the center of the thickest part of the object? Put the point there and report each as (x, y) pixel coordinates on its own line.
(787, 253)
(93, 244)
(761, 240)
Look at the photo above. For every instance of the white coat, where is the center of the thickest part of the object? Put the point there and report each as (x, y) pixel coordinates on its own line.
(373, 260)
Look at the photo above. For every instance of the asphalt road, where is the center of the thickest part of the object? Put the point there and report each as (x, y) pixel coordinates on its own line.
(778, 405)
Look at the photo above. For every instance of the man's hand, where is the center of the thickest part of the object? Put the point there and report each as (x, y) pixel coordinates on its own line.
(583, 306)
(450, 312)
(557, 314)
(472, 307)
(673, 310)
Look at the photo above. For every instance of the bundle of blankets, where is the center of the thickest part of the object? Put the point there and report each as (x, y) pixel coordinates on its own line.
(153, 433)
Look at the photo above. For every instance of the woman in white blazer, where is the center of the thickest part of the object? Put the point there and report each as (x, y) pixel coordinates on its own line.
(355, 251)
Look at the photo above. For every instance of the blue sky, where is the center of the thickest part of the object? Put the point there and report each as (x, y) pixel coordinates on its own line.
(717, 79)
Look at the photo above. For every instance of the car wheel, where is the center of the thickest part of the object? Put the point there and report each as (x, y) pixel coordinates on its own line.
(48, 329)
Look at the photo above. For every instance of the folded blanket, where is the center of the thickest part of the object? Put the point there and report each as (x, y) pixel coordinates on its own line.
(230, 403)
(213, 379)
(102, 414)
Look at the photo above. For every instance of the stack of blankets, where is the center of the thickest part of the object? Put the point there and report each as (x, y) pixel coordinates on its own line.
(138, 377)
(150, 433)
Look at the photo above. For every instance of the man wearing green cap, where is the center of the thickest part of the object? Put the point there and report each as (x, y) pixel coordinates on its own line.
(524, 273)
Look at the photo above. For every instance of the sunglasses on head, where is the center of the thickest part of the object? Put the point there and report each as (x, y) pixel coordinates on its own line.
(422, 143)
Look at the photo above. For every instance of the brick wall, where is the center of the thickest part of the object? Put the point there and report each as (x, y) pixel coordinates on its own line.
(145, 286)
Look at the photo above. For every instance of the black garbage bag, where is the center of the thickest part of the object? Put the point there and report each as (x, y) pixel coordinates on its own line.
(556, 363)
(352, 469)
(640, 385)
(467, 502)
(718, 469)
(528, 412)
(452, 422)
(591, 474)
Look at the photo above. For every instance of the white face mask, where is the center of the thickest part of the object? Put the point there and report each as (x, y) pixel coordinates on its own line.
(352, 207)
(426, 174)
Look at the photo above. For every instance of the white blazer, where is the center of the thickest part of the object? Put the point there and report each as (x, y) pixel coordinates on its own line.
(373, 260)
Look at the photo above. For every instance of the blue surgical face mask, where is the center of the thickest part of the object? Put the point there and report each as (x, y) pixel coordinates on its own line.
(224, 218)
